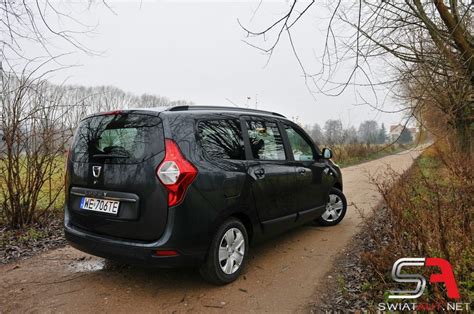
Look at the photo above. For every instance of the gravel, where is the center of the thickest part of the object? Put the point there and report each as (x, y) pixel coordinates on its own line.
(352, 285)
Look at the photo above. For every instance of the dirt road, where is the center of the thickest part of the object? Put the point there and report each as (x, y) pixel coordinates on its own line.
(281, 276)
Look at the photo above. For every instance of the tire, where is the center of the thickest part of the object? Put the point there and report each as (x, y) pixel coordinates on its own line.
(227, 267)
(335, 209)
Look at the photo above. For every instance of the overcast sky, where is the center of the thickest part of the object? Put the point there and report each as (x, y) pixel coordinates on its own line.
(194, 50)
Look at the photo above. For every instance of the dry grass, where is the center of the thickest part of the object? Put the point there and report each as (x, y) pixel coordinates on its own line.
(350, 154)
(430, 212)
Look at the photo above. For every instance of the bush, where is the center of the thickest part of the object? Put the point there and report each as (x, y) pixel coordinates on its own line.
(430, 210)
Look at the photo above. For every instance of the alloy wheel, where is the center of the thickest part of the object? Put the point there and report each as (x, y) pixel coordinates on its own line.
(231, 251)
(333, 208)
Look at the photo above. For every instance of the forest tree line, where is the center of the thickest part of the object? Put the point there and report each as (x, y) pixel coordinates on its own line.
(369, 132)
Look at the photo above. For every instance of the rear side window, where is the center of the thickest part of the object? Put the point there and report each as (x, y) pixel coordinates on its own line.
(118, 138)
(222, 139)
(265, 140)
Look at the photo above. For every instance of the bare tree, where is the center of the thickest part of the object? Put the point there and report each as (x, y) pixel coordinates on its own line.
(350, 135)
(333, 132)
(315, 132)
(368, 131)
(37, 121)
(27, 23)
(428, 46)
(31, 123)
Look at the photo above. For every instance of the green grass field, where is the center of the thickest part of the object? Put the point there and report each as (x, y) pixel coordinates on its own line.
(53, 184)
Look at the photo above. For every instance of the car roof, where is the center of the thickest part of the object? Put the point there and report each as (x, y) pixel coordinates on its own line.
(196, 110)
(200, 109)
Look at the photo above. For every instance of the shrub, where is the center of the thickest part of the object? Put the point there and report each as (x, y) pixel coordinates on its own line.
(430, 212)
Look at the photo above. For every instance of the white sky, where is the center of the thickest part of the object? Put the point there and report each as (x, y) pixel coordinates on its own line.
(194, 50)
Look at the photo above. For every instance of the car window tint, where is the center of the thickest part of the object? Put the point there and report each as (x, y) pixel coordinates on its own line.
(222, 139)
(265, 140)
(118, 138)
(299, 145)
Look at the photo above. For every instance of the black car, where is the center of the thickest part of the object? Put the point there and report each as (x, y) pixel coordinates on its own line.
(194, 185)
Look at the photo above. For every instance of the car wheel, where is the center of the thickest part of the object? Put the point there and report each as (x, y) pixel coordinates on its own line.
(227, 253)
(335, 209)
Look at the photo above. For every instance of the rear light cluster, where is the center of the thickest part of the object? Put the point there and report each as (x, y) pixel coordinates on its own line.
(175, 173)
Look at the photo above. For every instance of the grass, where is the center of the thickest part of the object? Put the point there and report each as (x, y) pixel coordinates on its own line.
(52, 187)
(27, 235)
(55, 185)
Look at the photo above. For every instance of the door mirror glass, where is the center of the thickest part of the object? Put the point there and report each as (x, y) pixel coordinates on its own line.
(327, 153)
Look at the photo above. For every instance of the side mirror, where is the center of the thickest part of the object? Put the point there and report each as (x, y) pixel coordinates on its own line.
(327, 153)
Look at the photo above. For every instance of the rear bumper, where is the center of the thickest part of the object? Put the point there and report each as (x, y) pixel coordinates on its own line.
(135, 252)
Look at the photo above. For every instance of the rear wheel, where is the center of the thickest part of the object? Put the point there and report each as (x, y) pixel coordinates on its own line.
(335, 209)
(227, 253)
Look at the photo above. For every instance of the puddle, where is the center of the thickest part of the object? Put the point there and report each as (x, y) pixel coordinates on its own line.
(87, 265)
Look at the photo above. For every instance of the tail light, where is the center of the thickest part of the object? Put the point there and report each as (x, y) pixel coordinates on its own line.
(175, 173)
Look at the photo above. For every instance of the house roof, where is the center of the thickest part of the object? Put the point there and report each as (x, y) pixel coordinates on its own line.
(398, 128)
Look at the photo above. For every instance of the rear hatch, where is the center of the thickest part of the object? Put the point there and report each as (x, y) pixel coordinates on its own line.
(113, 189)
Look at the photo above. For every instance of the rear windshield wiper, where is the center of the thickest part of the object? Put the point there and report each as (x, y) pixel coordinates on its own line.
(109, 156)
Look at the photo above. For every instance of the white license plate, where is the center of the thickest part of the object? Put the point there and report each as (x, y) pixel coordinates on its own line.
(100, 205)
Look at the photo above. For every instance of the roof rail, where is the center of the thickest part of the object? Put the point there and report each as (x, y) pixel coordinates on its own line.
(187, 108)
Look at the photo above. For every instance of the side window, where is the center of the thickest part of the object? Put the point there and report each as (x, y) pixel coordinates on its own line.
(222, 139)
(265, 140)
(301, 148)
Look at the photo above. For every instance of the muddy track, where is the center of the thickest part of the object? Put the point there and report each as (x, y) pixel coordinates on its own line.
(282, 274)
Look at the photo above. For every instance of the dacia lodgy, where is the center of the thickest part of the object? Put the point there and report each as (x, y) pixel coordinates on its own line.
(194, 185)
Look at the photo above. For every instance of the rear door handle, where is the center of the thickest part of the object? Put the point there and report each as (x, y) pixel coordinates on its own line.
(302, 171)
(259, 172)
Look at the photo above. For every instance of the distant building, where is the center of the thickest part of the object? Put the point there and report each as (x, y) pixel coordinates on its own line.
(396, 130)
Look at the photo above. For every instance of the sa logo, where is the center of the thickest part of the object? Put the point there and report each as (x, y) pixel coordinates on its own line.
(446, 275)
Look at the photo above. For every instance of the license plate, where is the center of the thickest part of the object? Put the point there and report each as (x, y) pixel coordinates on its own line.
(100, 205)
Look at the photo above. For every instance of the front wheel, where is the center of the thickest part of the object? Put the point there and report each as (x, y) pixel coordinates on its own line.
(335, 209)
(227, 253)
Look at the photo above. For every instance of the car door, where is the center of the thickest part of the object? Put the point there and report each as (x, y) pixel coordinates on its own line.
(311, 170)
(272, 174)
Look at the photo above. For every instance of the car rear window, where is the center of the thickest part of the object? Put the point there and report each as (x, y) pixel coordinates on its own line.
(222, 139)
(118, 138)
